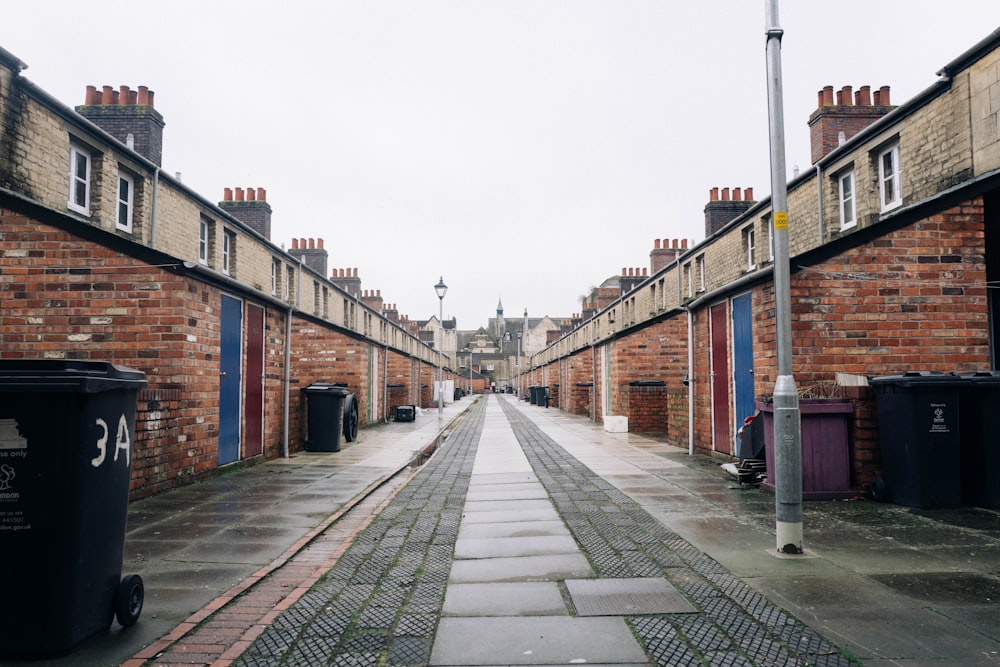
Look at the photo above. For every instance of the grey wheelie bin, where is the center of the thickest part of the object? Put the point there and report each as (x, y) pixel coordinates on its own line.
(324, 416)
(918, 417)
(67, 431)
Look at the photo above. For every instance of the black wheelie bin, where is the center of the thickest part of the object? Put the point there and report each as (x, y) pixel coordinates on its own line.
(918, 417)
(324, 416)
(67, 430)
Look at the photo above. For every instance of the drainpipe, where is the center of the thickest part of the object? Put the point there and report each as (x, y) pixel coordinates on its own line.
(690, 381)
(819, 202)
(385, 383)
(152, 209)
(288, 381)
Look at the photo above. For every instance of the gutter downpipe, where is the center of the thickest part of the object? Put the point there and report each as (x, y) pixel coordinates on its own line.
(286, 398)
(819, 203)
(690, 382)
(152, 209)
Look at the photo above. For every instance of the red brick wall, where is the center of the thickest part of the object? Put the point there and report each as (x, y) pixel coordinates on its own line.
(914, 299)
(321, 354)
(68, 298)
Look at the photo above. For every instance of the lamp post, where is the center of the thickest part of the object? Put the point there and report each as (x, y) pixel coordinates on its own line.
(470, 372)
(517, 364)
(787, 418)
(441, 290)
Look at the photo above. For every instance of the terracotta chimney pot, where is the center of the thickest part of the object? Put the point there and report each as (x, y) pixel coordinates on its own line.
(239, 194)
(107, 95)
(251, 194)
(227, 194)
(865, 96)
(261, 194)
(828, 96)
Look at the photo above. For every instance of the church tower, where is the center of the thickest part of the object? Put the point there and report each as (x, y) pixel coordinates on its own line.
(498, 327)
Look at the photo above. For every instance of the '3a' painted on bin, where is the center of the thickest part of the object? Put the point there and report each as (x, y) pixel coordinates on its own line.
(122, 442)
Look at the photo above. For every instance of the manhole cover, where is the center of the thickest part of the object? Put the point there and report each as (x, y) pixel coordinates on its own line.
(626, 597)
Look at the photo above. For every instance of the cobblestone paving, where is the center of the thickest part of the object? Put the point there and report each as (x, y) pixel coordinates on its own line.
(380, 604)
(735, 625)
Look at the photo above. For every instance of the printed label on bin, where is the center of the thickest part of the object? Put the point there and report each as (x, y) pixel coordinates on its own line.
(939, 421)
(13, 448)
(10, 436)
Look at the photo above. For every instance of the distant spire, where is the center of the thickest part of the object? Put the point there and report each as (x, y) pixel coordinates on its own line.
(499, 306)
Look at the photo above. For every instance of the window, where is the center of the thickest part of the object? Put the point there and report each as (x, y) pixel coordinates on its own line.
(228, 252)
(275, 276)
(688, 280)
(289, 279)
(749, 242)
(204, 236)
(889, 178)
(700, 264)
(79, 179)
(126, 202)
(847, 214)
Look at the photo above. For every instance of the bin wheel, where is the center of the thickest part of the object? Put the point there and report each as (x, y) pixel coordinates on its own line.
(350, 419)
(128, 600)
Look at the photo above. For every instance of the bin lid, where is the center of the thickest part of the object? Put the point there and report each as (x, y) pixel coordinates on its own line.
(67, 376)
(982, 377)
(915, 378)
(326, 387)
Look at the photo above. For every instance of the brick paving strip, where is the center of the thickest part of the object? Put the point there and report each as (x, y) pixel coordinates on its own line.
(227, 626)
(380, 603)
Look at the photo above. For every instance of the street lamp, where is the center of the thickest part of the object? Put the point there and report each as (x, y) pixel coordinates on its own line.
(441, 290)
(470, 371)
(517, 364)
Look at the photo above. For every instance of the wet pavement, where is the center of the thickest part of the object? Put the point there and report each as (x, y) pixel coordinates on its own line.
(533, 537)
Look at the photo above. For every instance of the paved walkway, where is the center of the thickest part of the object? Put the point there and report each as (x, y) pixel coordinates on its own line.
(535, 537)
(380, 603)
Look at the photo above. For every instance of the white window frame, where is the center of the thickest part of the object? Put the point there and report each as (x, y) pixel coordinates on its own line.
(749, 246)
(128, 202)
(275, 276)
(228, 249)
(688, 276)
(769, 221)
(848, 199)
(76, 153)
(203, 227)
(890, 185)
(700, 266)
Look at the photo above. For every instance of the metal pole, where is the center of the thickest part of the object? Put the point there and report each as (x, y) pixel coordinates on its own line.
(441, 290)
(441, 358)
(787, 419)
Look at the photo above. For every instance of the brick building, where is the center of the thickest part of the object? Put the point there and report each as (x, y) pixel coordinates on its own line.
(893, 240)
(105, 257)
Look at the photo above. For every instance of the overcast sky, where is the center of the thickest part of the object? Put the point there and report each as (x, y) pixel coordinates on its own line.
(522, 150)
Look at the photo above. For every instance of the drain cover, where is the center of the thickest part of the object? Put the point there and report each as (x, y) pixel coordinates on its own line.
(626, 597)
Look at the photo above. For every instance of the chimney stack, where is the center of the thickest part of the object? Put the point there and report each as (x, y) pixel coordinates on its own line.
(310, 253)
(347, 280)
(123, 112)
(719, 212)
(851, 113)
(253, 210)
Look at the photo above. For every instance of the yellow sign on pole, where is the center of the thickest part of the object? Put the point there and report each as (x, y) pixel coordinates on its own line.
(781, 219)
